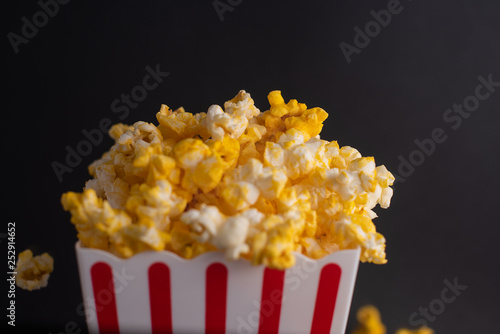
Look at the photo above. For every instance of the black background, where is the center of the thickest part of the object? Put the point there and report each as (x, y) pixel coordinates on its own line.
(443, 220)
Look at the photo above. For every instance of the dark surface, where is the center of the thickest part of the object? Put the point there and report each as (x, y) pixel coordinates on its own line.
(443, 221)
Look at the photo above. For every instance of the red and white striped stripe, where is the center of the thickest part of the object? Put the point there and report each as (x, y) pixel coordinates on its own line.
(158, 292)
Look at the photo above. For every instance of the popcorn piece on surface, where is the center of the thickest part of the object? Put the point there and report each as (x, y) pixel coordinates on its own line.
(33, 272)
(258, 185)
(421, 330)
(369, 321)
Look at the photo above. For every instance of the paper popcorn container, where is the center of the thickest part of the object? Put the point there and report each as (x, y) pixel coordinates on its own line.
(159, 292)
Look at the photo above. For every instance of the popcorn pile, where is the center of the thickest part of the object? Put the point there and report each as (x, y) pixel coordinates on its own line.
(256, 185)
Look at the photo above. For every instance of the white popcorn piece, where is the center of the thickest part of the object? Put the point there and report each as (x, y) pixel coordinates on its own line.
(204, 221)
(219, 123)
(232, 235)
(226, 233)
(242, 104)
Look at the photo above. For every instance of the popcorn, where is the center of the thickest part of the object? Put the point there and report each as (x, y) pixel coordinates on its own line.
(219, 123)
(252, 184)
(204, 222)
(422, 330)
(229, 233)
(370, 322)
(94, 218)
(33, 272)
(269, 182)
(133, 239)
(242, 103)
(240, 195)
(178, 124)
(155, 205)
(189, 152)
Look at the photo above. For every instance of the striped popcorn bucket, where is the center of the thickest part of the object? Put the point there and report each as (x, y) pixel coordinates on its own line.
(159, 292)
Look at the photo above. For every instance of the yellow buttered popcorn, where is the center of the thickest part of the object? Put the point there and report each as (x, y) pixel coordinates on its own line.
(179, 124)
(254, 185)
(370, 322)
(33, 272)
